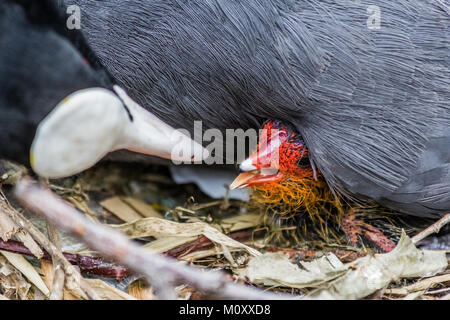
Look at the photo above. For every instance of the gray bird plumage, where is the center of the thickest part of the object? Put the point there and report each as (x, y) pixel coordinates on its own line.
(372, 104)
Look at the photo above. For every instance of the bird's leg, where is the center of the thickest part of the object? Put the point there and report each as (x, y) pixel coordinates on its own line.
(355, 227)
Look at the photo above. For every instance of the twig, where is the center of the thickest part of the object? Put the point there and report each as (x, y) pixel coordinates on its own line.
(8, 228)
(422, 285)
(434, 292)
(203, 243)
(74, 281)
(88, 265)
(434, 228)
(57, 292)
(57, 289)
(162, 272)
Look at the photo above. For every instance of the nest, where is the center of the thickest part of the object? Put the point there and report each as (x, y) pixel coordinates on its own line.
(238, 238)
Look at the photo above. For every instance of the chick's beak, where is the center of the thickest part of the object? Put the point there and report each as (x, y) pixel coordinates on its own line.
(254, 178)
(262, 166)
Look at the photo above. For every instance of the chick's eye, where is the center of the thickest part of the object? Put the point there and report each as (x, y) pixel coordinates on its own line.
(303, 163)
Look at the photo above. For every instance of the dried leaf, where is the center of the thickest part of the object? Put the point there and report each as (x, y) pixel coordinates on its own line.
(275, 269)
(370, 274)
(106, 292)
(47, 271)
(141, 291)
(197, 255)
(154, 227)
(120, 209)
(216, 236)
(167, 243)
(81, 205)
(144, 209)
(232, 224)
(12, 283)
(241, 222)
(27, 270)
(29, 242)
(7, 227)
(355, 280)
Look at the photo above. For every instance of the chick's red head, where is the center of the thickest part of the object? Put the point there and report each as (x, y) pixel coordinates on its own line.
(281, 155)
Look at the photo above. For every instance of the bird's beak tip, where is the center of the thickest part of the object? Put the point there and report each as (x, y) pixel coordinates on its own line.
(247, 165)
(241, 180)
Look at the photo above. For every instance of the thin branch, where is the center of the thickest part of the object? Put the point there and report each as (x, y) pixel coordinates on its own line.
(161, 271)
(203, 243)
(57, 289)
(434, 228)
(87, 264)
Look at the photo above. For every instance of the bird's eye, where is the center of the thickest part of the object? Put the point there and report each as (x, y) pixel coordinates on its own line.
(304, 162)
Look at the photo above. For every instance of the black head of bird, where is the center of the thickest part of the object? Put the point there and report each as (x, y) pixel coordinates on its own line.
(58, 101)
